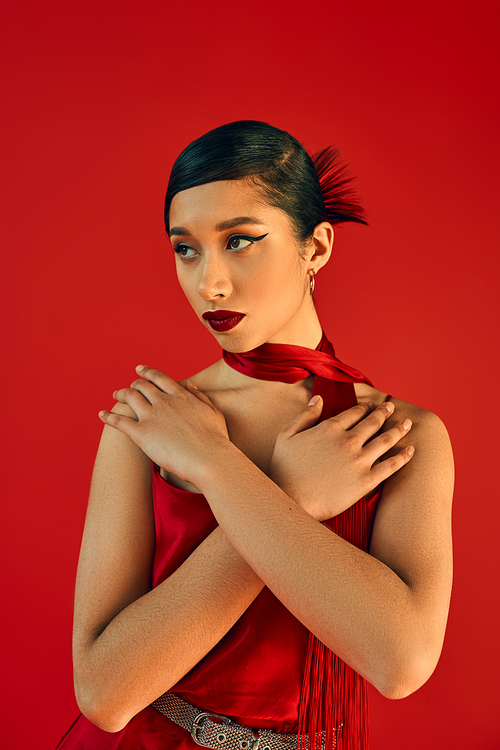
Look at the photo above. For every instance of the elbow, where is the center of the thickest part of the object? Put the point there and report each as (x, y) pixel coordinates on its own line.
(396, 690)
(406, 678)
(102, 716)
(100, 711)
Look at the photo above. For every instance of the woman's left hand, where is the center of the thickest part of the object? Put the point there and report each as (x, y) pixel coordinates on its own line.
(178, 428)
(328, 467)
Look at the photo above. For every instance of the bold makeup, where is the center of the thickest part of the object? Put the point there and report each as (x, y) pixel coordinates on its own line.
(223, 320)
(182, 247)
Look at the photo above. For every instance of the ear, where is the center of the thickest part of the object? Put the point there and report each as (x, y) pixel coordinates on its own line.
(321, 245)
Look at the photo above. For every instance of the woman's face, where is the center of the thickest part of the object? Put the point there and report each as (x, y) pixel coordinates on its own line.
(236, 253)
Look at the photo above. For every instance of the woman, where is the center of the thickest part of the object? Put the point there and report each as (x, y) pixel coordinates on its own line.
(258, 574)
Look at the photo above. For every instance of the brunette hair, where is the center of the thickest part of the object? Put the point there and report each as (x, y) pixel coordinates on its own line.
(309, 189)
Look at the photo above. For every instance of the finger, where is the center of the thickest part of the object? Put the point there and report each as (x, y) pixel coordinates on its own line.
(390, 466)
(351, 417)
(133, 397)
(148, 389)
(195, 391)
(379, 445)
(305, 419)
(160, 380)
(373, 422)
(118, 421)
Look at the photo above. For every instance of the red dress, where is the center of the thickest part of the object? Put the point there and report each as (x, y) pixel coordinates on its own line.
(254, 675)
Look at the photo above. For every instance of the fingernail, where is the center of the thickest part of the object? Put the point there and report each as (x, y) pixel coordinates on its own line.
(406, 423)
(389, 406)
(101, 414)
(192, 385)
(410, 450)
(139, 368)
(313, 401)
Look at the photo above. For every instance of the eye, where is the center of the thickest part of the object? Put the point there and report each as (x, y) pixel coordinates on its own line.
(238, 243)
(235, 242)
(183, 251)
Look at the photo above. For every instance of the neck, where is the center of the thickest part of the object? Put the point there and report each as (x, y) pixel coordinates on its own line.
(301, 331)
(230, 379)
(291, 363)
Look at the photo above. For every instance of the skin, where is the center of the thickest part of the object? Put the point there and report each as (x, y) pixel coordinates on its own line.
(270, 475)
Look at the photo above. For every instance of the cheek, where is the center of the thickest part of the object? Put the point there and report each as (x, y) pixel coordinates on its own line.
(186, 284)
(281, 282)
(260, 279)
(263, 290)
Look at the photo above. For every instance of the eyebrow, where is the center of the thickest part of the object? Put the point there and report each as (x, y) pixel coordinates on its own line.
(221, 226)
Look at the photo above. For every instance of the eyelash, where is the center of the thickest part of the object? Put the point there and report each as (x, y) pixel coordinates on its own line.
(181, 246)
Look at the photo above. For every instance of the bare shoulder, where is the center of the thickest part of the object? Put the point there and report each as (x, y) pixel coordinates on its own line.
(428, 479)
(118, 451)
(122, 473)
(412, 528)
(428, 435)
(419, 495)
(427, 427)
(431, 468)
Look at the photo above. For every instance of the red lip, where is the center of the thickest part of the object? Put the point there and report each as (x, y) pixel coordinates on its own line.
(220, 314)
(223, 320)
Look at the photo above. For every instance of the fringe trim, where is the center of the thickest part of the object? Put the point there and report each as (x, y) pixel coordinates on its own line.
(333, 708)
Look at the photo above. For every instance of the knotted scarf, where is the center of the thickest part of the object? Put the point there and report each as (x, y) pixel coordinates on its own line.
(333, 700)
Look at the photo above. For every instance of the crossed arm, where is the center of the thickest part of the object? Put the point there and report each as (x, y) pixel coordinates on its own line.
(384, 612)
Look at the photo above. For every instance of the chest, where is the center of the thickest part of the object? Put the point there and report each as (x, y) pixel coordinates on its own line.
(254, 427)
(255, 417)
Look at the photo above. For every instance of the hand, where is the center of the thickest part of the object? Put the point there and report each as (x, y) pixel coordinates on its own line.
(178, 428)
(332, 465)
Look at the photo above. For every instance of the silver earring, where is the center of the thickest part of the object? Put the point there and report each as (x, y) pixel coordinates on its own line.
(312, 282)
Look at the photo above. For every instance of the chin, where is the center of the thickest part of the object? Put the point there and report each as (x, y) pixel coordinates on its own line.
(242, 338)
(238, 343)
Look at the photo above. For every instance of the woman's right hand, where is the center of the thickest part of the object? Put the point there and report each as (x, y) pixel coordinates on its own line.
(177, 428)
(328, 467)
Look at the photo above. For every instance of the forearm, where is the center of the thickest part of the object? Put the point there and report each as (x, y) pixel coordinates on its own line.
(354, 603)
(156, 640)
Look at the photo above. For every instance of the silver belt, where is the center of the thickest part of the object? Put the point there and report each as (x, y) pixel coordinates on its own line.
(220, 733)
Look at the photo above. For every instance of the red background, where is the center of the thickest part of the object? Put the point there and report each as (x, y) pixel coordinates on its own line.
(99, 98)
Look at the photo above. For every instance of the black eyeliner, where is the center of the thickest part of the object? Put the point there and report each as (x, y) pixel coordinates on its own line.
(248, 237)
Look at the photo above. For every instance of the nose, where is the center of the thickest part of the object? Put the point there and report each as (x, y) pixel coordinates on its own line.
(214, 279)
